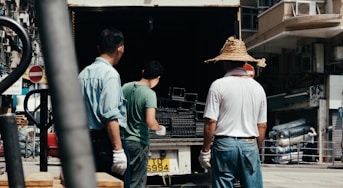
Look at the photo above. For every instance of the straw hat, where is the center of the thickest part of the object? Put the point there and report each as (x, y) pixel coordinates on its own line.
(235, 50)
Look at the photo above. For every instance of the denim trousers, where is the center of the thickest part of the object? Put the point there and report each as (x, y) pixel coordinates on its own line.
(139, 156)
(236, 159)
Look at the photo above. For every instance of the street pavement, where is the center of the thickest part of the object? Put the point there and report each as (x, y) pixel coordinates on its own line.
(274, 176)
(303, 176)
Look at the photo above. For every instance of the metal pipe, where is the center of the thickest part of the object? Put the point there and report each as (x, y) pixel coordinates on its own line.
(26, 56)
(43, 124)
(9, 134)
(69, 112)
(43, 135)
(8, 124)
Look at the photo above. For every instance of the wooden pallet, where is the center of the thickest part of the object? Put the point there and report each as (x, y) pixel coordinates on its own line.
(105, 180)
(47, 180)
(36, 179)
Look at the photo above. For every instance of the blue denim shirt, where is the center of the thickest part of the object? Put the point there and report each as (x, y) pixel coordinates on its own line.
(102, 94)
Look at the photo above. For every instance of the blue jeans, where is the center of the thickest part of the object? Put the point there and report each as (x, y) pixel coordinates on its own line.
(235, 159)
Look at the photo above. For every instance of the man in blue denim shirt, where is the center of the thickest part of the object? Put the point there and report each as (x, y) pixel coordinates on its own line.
(236, 116)
(106, 106)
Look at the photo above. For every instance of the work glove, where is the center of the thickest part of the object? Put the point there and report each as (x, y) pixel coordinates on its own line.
(162, 131)
(204, 159)
(119, 162)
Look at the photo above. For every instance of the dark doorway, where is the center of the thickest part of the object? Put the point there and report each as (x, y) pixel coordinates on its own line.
(181, 38)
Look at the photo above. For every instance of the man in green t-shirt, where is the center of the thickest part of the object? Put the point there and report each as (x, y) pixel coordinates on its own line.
(141, 111)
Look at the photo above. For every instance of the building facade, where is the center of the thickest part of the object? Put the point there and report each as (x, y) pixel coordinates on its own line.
(302, 42)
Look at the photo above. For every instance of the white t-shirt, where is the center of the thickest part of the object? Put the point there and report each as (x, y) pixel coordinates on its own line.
(237, 104)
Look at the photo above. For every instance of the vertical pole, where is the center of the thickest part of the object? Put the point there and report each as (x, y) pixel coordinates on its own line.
(9, 134)
(68, 107)
(43, 135)
(238, 25)
(263, 148)
(322, 114)
(8, 124)
(34, 125)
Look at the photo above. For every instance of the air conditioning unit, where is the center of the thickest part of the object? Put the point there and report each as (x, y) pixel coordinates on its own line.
(338, 53)
(305, 8)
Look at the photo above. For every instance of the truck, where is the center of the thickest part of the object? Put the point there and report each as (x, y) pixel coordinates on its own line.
(181, 35)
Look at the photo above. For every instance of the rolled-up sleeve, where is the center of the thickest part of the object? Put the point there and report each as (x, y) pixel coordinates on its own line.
(112, 104)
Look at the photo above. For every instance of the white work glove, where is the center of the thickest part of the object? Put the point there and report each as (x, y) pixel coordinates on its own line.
(204, 159)
(119, 162)
(162, 131)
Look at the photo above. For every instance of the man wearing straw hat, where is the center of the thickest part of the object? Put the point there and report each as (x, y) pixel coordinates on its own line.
(235, 120)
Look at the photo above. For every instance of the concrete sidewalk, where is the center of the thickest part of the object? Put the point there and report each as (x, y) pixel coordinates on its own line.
(285, 177)
(33, 165)
(328, 175)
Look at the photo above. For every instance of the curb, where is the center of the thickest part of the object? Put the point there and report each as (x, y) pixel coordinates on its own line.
(318, 166)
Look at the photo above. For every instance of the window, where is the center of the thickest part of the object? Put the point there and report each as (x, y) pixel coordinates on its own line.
(249, 18)
(266, 3)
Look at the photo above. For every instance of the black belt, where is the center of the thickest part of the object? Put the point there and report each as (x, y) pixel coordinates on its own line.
(235, 137)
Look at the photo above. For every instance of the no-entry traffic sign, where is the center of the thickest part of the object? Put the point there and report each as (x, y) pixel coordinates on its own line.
(36, 73)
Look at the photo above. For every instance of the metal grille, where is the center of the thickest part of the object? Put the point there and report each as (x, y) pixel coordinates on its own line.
(179, 122)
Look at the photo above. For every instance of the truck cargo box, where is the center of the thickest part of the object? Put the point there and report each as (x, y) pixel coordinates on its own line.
(181, 38)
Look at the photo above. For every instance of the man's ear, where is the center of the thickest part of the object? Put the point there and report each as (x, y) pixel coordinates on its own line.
(121, 48)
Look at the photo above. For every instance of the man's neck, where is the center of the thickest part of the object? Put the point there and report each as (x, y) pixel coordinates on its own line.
(144, 81)
(110, 58)
(237, 71)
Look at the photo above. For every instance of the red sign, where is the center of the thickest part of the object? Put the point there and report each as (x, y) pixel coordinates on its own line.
(36, 74)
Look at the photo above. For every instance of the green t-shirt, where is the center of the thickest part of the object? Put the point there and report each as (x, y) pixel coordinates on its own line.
(139, 97)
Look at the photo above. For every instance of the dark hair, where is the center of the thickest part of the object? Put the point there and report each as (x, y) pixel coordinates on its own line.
(109, 40)
(152, 69)
(232, 64)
